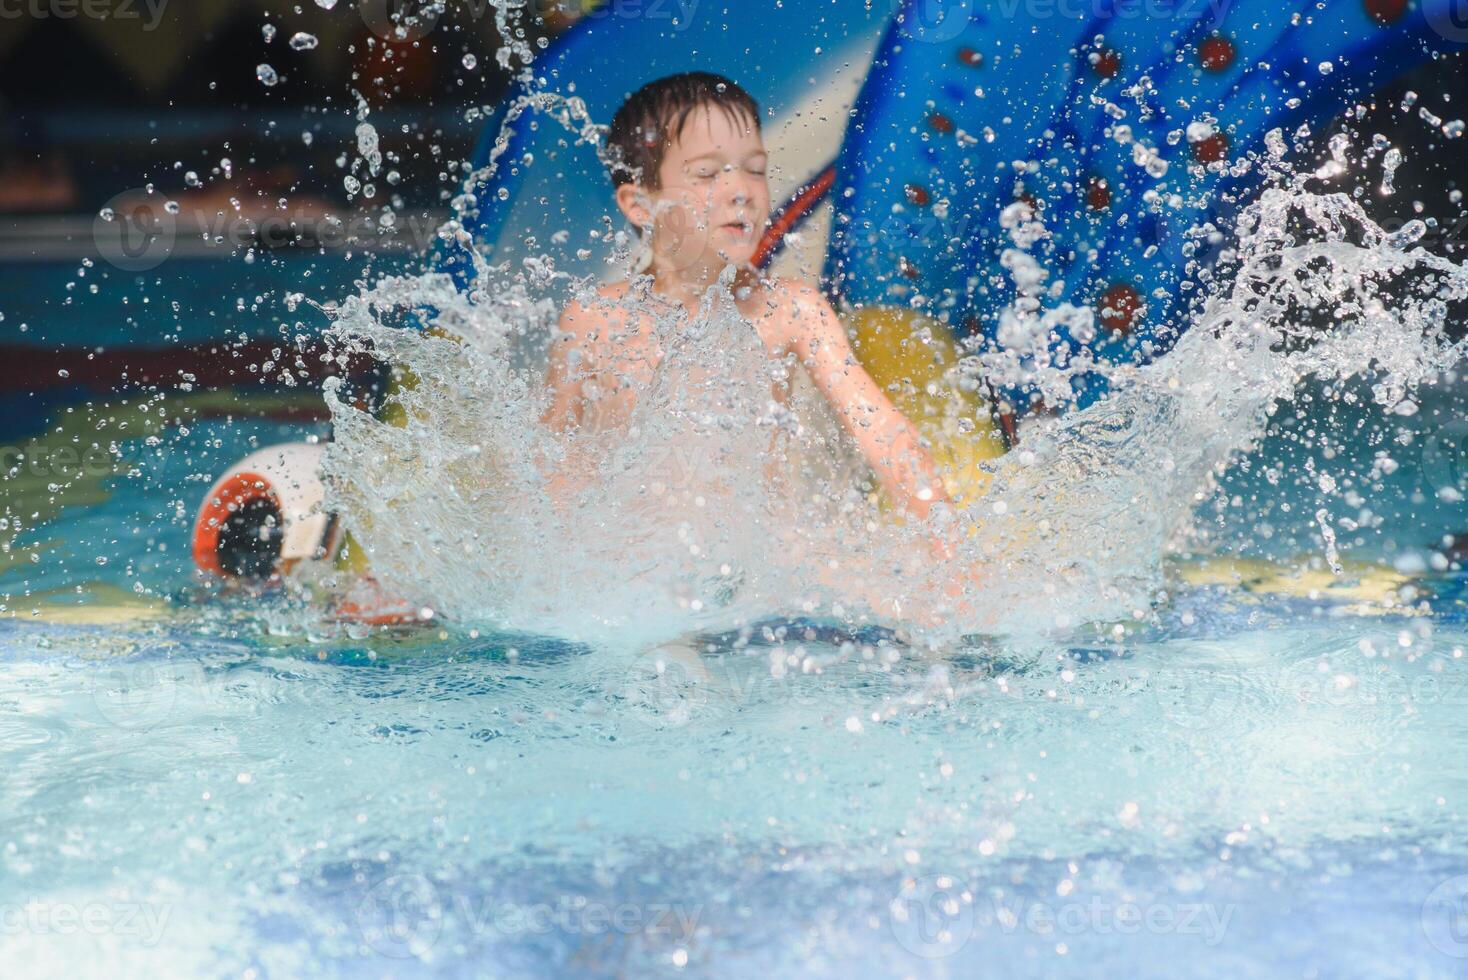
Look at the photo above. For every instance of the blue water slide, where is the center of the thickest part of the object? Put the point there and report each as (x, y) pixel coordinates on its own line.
(1077, 107)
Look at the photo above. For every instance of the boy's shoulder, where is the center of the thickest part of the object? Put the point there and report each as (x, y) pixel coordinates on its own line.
(614, 292)
(612, 298)
(606, 297)
(599, 307)
(795, 313)
(796, 294)
(799, 303)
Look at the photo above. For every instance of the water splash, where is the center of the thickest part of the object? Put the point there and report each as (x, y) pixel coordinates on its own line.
(719, 506)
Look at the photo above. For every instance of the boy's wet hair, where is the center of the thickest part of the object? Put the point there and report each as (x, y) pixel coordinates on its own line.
(654, 116)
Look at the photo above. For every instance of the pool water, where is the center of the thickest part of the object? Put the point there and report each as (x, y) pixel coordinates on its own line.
(1264, 775)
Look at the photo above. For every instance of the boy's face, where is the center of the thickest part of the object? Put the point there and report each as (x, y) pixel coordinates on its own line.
(713, 198)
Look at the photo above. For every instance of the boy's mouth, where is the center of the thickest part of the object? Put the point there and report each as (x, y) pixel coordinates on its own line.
(738, 227)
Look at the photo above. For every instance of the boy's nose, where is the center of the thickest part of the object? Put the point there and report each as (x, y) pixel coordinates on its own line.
(740, 187)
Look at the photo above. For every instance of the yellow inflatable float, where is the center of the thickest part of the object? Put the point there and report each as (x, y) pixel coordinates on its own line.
(915, 360)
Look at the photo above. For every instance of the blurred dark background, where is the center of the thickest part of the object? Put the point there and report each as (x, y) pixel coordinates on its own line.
(170, 170)
(101, 95)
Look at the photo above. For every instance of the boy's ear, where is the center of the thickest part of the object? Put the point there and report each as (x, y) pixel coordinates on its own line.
(632, 201)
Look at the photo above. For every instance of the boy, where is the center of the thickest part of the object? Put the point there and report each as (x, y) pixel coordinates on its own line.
(688, 163)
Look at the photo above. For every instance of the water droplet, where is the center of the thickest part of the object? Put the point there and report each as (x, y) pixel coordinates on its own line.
(470, 62)
(1409, 234)
(1389, 165)
(301, 41)
(267, 31)
(326, 4)
(266, 75)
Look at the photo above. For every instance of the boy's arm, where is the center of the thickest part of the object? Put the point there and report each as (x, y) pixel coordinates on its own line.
(570, 355)
(888, 441)
(572, 362)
